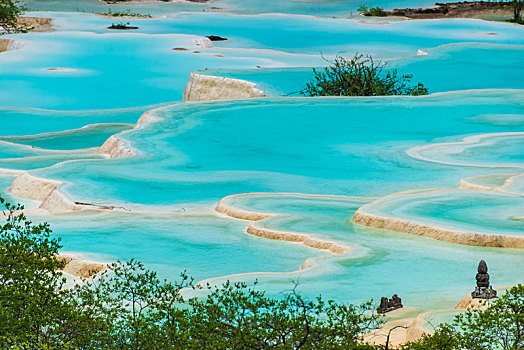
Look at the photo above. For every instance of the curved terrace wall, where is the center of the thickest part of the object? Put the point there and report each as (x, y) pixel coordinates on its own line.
(400, 225)
(256, 230)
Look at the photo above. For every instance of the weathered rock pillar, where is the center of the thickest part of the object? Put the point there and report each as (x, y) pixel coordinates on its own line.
(483, 290)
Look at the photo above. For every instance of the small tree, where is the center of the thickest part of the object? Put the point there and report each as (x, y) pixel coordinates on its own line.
(360, 76)
(236, 316)
(517, 10)
(10, 10)
(372, 11)
(28, 278)
(499, 327)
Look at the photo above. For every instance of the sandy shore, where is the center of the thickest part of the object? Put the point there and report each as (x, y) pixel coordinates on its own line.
(474, 9)
(36, 24)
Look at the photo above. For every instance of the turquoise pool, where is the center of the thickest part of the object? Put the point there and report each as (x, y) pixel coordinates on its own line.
(64, 93)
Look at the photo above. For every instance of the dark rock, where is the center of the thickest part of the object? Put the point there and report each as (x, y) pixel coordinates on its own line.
(216, 38)
(483, 290)
(387, 305)
(121, 27)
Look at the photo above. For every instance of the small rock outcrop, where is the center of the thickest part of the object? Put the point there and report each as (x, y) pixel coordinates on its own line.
(483, 290)
(202, 87)
(215, 38)
(387, 305)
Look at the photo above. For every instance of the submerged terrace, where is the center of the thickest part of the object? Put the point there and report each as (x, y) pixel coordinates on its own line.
(353, 197)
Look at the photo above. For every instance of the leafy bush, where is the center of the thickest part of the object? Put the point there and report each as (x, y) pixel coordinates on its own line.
(124, 14)
(360, 76)
(499, 327)
(121, 25)
(10, 10)
(129, 307)
(372, 11)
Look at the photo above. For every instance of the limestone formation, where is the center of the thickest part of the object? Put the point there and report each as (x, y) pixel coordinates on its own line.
(362, 217)
(206, 87)
(483, 290)
(225, 208)
(36, 24)
(115, 148)
(80, 267)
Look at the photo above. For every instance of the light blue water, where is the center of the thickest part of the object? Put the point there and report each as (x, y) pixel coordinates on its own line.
(115, 69)
(172, 242)
(516, 185)
(90, 136)
(446, 68)
(205, 151)
(305, 34)
(328, 8)
(57, 136)
(197, 153)
(45, 159)
(29, 121)
(502, 150)
(381, 262)
(491, 181)
(484, 212)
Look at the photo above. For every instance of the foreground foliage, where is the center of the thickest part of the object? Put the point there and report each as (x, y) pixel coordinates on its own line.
(129, 307)
(10, 10)
(500, 327)
(360, 76)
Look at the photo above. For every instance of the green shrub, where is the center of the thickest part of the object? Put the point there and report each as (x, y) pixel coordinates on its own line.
(129, 307)
(10, 10)
(372, 11)
(360, 76)
(499, 327)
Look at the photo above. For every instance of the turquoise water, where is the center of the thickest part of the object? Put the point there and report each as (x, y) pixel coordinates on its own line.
(490, 181)
(29, 121)
(113, 73)
(89, 136)
(329, 8)
(380, 262)
(498, 150)
(172, 242)
(482, 212)
(193, 154)
(516, 185)
(34, 138)
(309, 35)
(110, 68)
(447, 68)
(205, 151)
